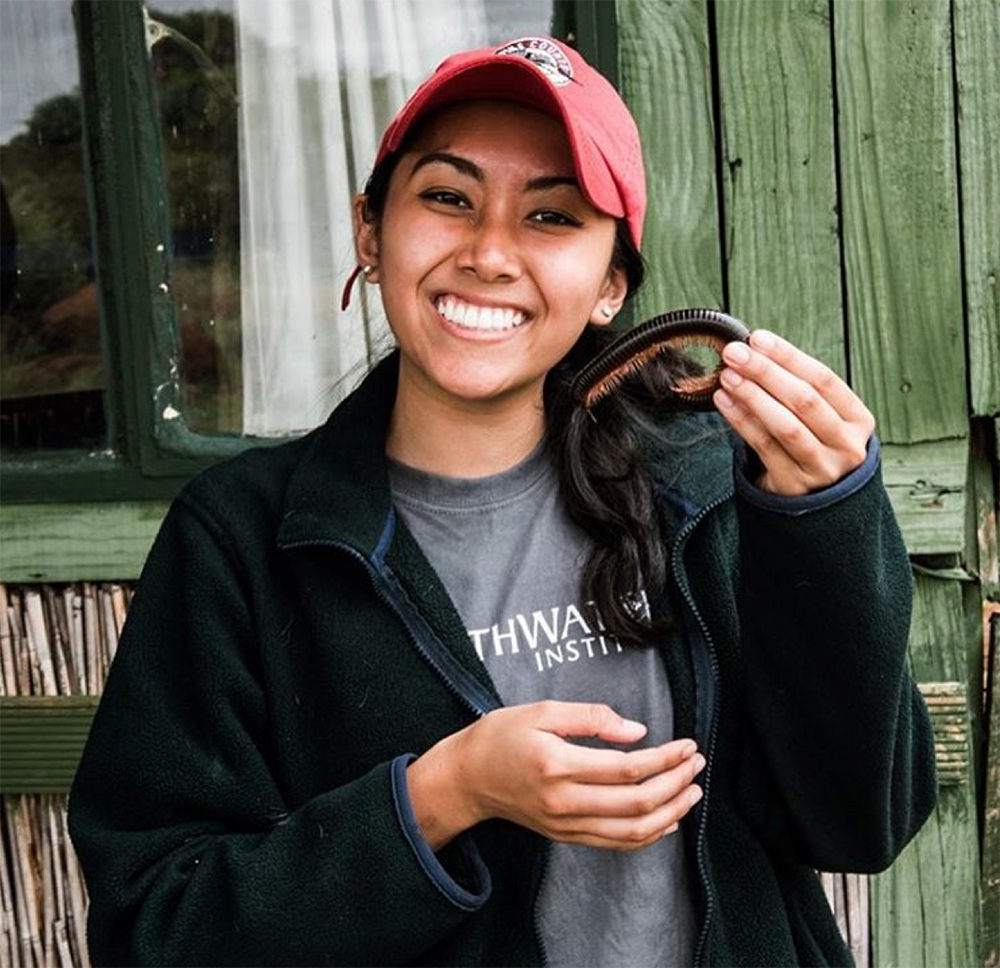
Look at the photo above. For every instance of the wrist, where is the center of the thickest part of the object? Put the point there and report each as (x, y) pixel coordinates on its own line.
(441, 798)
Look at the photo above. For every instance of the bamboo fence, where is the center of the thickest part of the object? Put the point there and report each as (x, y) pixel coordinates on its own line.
(847, 895)
(55, 640)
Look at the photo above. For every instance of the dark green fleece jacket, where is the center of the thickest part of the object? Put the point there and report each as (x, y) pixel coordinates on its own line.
(242, 797)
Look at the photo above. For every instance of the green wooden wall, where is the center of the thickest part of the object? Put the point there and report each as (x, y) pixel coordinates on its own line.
(830, 170)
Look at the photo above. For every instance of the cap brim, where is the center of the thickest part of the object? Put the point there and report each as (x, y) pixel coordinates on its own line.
(511, 79)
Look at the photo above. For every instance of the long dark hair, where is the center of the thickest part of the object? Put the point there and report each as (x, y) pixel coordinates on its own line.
(604, 456)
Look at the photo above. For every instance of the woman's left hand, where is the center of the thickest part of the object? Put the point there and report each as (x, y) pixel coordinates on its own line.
(806, 425)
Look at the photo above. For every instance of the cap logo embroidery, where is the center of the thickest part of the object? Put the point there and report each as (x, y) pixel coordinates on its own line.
(544, 54)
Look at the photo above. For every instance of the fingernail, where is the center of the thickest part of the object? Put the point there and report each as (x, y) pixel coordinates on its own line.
(699, 763)
(695, 795)
(731, 378)
(723, 399)
(689, 748)
(736, 353)
(763, 339)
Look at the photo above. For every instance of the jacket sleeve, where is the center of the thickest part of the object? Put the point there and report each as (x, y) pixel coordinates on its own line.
(839, 765)
(190, 852)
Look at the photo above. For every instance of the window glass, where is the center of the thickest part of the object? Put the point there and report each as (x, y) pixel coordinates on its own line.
(52, 375)
(270, 114)
(192, 60)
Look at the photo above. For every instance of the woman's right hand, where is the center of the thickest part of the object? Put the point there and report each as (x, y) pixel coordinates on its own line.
(516, 763)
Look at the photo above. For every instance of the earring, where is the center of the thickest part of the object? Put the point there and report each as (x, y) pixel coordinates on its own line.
(345, 297)
(607, 312)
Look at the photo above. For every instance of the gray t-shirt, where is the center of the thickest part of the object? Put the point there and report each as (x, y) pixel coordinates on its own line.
(511, 560)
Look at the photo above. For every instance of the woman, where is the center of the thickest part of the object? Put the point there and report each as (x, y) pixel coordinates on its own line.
(466, 676)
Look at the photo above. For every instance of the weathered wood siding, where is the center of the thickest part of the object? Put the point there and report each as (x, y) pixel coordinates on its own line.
(977, 75)
(782, 256)
(674, 113)
(899, 196)
(830, 169)
(64, 542)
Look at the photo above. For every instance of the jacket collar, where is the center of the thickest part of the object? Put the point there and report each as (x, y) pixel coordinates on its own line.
(339, 491)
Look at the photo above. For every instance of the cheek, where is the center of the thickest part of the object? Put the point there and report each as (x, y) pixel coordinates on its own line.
(412, 248)
(576, 276)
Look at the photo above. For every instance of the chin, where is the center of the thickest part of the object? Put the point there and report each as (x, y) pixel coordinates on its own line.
(487, 389)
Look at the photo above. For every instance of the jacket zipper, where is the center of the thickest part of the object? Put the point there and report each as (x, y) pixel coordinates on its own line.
(389, 594)
(678, 550)
(543, 958)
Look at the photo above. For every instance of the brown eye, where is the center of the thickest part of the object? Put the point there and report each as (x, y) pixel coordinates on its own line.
(445, 197)
(552, 217)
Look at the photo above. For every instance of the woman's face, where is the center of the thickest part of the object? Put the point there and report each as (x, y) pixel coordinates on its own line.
(490, 260)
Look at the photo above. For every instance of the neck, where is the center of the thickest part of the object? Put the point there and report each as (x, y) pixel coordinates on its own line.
(457, 438)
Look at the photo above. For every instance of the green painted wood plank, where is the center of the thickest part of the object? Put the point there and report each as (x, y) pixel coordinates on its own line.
(74, 542)
(977, 70)
(782, 245)
(925, 908)
(665, 75)
(900, 214)
(926, 484)
(43, 739)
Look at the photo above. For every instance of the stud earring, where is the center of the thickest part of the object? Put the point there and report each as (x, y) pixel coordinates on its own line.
(366, 269)
(607, 312)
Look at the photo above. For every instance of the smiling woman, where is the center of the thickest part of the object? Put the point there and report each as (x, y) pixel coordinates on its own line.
(471, 675)
(514, 262)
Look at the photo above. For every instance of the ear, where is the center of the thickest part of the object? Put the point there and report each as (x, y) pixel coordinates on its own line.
(365, 238)
(611, 297)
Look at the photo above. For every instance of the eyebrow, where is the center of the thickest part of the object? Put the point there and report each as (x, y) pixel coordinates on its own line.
(466, 167)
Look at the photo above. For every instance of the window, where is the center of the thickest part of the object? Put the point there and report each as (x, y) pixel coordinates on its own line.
(52, 373)
(260, 183)
(222, 141)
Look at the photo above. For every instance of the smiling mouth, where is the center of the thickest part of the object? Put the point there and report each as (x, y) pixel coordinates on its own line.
(480, 318)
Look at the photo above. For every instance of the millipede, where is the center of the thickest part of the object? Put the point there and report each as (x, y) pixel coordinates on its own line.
(669, 331)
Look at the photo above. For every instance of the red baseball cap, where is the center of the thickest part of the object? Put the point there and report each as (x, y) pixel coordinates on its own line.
(544, 73)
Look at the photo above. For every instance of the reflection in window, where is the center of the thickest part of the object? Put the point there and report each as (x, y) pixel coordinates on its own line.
(193, 69)
(270, 117)
(51, 365)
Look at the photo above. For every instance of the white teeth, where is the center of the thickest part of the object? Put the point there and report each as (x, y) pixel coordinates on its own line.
(478, 317)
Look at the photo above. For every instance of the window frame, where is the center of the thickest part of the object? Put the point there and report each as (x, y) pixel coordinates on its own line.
(150, 456)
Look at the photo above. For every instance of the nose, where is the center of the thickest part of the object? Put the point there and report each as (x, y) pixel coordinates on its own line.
(490, 250)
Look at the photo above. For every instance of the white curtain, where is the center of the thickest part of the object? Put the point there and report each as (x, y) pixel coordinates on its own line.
(318, 82)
